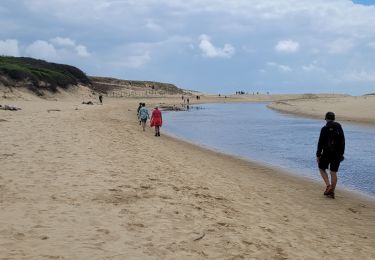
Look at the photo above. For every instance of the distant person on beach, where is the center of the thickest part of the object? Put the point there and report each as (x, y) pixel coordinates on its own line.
(330, 152)
(156, 120)
(101, 99)
(139, 107)
(143, 115)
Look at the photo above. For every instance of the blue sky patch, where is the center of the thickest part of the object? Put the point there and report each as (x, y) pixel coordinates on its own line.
(364, 2)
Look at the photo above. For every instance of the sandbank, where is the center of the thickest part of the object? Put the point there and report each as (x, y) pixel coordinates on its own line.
(359, 109)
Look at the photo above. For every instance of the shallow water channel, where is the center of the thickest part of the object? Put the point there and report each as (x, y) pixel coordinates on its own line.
(255, 132)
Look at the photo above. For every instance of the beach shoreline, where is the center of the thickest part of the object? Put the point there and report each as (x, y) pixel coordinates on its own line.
(288, 173)
(82, 181)
(308, 174)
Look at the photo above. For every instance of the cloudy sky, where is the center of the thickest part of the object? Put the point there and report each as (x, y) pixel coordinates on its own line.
(215, 46)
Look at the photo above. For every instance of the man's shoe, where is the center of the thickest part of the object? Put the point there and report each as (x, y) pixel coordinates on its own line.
(331, 194)
(326, 192)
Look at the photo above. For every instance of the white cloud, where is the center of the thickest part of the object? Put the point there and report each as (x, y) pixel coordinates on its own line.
(287, 46)
(56, 49)
(68, 43)
(281, 67)
(65, 42)
(9, 47)
(209, 50)
(82, 51)
(312, 67)
(42, 50)
(309, 67)
(285, 68)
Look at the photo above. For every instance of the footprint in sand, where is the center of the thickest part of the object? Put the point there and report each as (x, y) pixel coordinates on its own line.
(53, 257)
(267, 229)
(19, 236)
(354, 210)
(286, 219)
(280, 255)
(103, 231)
(146, 187)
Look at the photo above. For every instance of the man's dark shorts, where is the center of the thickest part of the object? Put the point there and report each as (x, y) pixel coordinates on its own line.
(333, 163)
(144, 120)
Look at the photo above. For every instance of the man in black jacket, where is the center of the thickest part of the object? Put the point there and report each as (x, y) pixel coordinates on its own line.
(330, 152)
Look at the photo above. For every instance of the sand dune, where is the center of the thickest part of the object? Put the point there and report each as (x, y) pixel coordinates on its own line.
(84, 182)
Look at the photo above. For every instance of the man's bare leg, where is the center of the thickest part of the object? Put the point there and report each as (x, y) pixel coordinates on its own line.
(324, 175)
(330, 191)
(333, 180)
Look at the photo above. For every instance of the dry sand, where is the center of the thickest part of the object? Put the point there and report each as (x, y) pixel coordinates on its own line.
(347, 108)
(84, 182)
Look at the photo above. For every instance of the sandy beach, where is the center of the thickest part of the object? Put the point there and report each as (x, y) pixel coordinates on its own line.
(85, 182)
(359, 109)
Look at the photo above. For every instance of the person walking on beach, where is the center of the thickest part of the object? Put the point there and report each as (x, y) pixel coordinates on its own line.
(101, 99)
(330, 152)
(143, 115)
(156, 120)
(139, 107)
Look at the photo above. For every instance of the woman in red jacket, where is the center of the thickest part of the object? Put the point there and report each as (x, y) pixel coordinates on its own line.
(156, 120)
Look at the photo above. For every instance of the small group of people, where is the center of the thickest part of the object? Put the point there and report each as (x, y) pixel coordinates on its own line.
(156, 118)
(186, 100)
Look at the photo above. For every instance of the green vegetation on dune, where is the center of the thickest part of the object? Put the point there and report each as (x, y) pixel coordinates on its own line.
(41, 74)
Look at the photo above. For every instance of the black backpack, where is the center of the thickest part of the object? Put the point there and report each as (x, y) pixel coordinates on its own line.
(333, 139)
